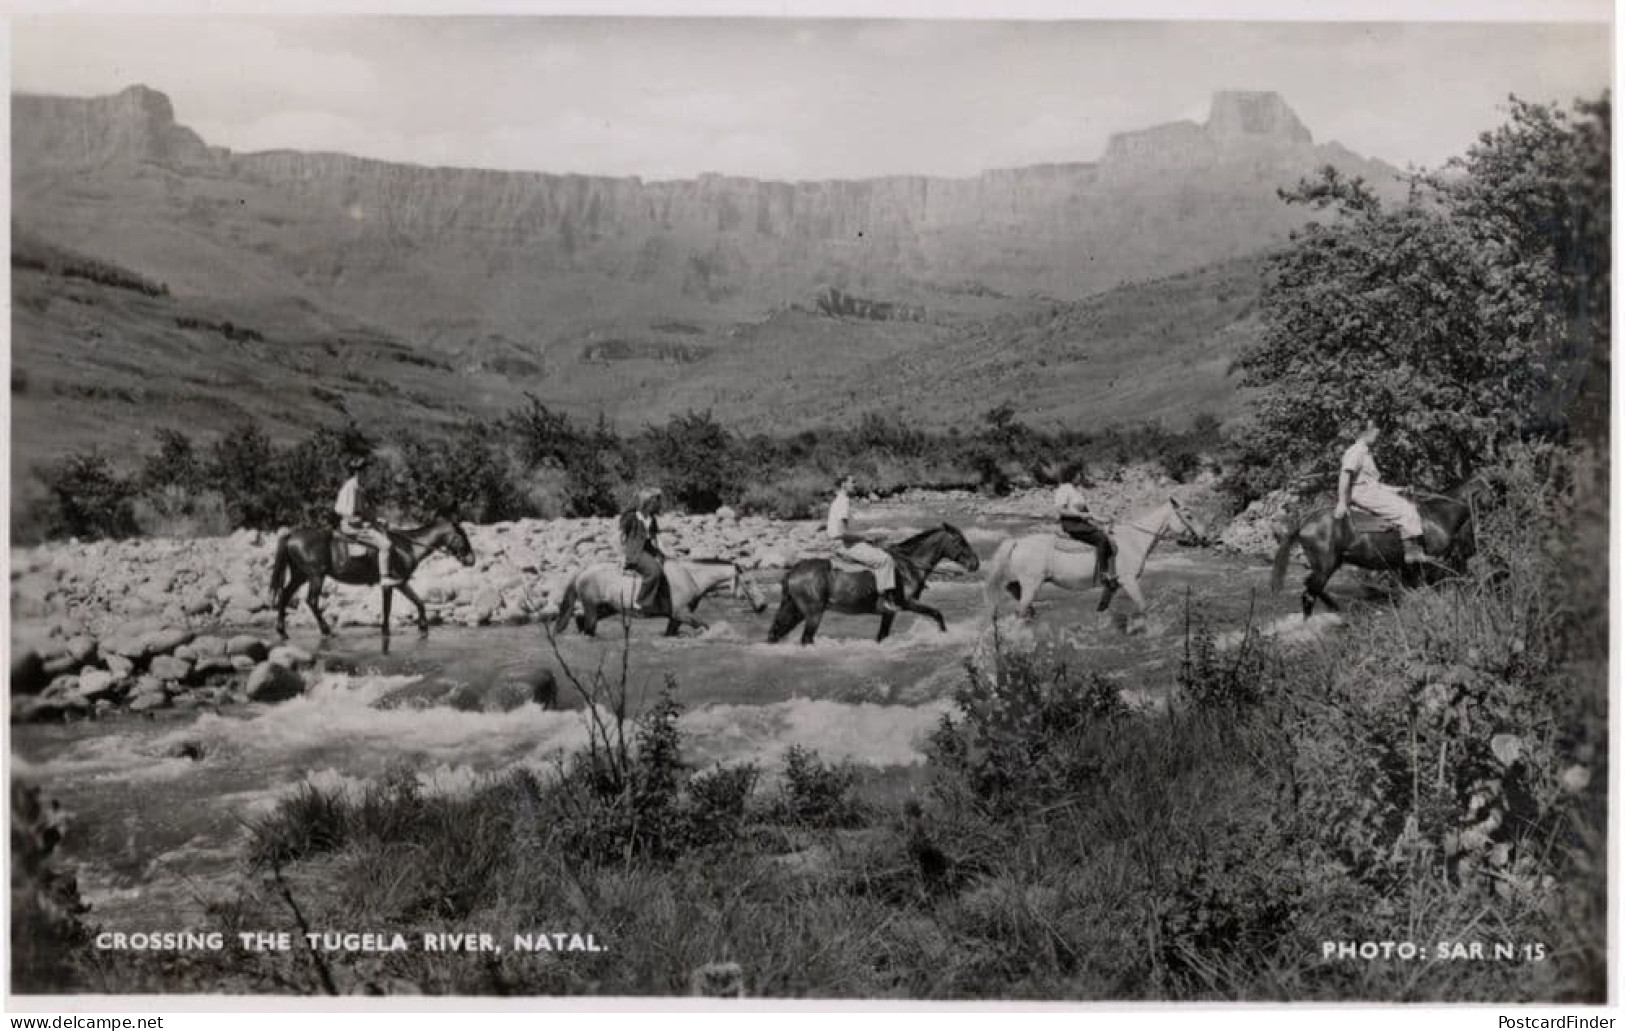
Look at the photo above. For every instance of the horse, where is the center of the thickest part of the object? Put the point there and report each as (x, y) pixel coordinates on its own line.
(606, 587)
(315, 553)
(1365, 541)
(813, 585)
(1021, 565)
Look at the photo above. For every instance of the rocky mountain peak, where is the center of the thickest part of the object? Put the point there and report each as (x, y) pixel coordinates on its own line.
(1245, 116)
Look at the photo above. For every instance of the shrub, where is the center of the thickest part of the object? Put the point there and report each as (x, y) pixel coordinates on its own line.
(87, 498)
(814, 793)
(1021, 737)
(242, 467)
(697, 461)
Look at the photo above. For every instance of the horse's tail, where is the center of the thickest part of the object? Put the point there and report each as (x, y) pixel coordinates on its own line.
(279, 564)
(1283, 554)
(567, 608)
(998, 571)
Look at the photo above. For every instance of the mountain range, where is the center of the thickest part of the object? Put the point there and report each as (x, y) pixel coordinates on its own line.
(399, 293)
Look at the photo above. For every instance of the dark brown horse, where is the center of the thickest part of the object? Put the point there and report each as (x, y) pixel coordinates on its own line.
(813, 586)
(1362, 540)
(312, 554)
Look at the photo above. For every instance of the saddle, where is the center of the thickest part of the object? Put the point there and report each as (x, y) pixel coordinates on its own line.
(1072, 544)
(1362, 521)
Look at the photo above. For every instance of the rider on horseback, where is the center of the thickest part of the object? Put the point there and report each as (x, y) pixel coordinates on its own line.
(1078, 524)
(639, 533)
(1358, 482)
(862, 550)
(356, 520)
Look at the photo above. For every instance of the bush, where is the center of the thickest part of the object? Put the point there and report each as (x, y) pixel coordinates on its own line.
(1022, 737)
(88, 499)
(697, 461)
(815, 794)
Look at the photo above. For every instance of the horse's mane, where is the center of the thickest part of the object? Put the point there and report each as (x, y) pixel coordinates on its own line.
(922, 535)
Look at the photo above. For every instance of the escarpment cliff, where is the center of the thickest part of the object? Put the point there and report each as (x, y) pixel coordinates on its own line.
(446, 256)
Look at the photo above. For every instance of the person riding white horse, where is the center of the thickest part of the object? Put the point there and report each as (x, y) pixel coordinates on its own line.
(1078, 523)
(358, 522)
(1359, 484)
(860, 549)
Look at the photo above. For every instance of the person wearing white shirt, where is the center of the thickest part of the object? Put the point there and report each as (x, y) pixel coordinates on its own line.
(1359, 484)
(356, 520)
(1080, 525)
(860, 549)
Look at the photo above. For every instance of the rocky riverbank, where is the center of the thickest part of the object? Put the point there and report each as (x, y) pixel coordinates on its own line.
(137, 625)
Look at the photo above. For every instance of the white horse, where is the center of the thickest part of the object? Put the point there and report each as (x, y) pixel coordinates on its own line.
(607, 588)
(1021, 565)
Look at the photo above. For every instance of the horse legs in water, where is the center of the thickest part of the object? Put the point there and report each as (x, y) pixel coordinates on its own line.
(784, 620)
(389, 595)
(814, 617)
(1314, 586)
(1131, 587)
(313, 600)
(423, 615)
(1024, 593)
(886, 621)
(925, 610)
(295, 581)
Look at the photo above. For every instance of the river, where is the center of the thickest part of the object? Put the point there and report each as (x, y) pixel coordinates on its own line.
(153, 835)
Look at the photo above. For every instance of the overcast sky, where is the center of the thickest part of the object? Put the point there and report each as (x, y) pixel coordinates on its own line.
(793, 99)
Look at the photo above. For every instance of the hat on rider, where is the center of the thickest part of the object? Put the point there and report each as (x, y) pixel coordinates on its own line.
(648, 494)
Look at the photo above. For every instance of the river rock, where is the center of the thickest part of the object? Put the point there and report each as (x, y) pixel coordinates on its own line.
(119, 665)
(148, 702)
(61, 687)
(192, 750)
(126, 644)
(197, 603)
(96, 684)
(149, 685)
(213, 670)
(291, 656)
(247, 644)
(163, 642)
(167, 667)
(208, 645)
(243, 663)
(272, 683)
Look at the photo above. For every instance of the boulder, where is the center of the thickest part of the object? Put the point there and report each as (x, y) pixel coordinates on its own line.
(119, 665)
(149, 685)
(291, 656)
(208, 645)
(147, 702)
(272, 683)
(242, 663)
(167, 667)
(213, 670)
(163, 642)
(249, 645)
(96, 684)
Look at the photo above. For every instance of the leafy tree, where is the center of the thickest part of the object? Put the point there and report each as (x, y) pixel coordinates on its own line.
(312, 471)
(89, 499)
(699, 459)
(242, 467)
(467, 477)
(1447, 318)
(175, 464)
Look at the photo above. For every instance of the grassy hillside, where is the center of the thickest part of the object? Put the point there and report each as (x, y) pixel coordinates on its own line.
(103, 355)
(1151, 351)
